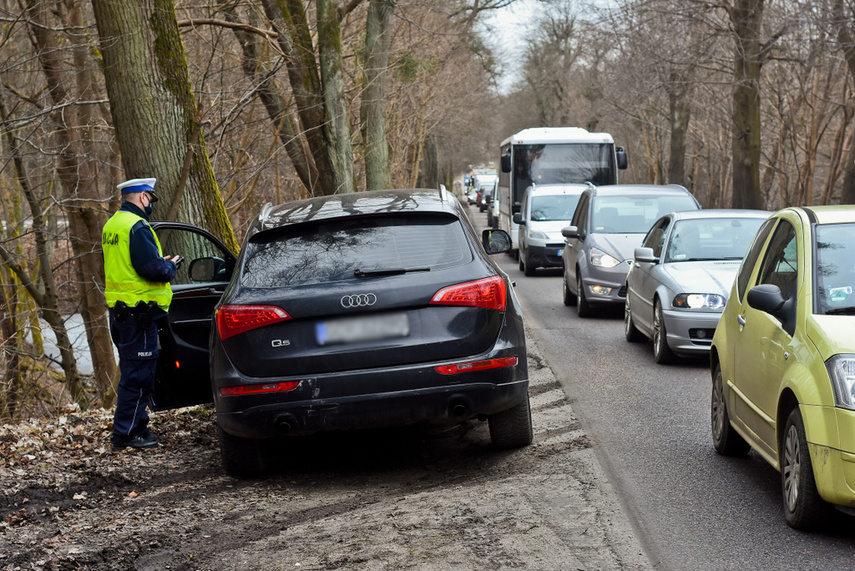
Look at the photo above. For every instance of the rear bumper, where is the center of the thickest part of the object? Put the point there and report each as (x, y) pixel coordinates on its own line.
(372, 398)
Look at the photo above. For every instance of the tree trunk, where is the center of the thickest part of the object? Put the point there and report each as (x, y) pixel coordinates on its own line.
(335, 104)
(294, 37)
(747, 17)
(154, 110)
(678, 110)
(44, 292)
(11, 381)
(276, 105)
(847, 45)
(372, 112)
(77, 174)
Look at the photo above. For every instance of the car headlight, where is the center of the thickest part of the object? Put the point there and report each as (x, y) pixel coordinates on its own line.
(841, 371)
(602, 260)
(699, 300)
(537, 235)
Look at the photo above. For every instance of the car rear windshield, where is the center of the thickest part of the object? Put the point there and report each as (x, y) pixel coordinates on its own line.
(635, 214)
(835, 269)
(353, 248)
(551, 207)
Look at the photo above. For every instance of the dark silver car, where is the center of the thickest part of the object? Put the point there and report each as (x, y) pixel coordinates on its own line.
(678, 284)
(609, 223)
(362, 310)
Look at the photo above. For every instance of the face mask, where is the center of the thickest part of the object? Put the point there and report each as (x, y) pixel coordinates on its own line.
(149, 208)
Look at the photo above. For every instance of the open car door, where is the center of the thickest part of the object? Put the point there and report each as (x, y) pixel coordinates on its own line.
(183, 374)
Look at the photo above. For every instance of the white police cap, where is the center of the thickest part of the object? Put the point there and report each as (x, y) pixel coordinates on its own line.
(137, 185)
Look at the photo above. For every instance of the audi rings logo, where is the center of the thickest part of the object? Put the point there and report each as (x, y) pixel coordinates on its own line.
(359, 300)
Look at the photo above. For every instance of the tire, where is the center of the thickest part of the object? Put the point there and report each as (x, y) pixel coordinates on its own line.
(803, 507)
(583, 308)
(726, 440)
(527, 267)
(661, 351)
(511, 428)
(632, 334)
(569, 297)
(242, 457)
(489, 218)
(521, 264)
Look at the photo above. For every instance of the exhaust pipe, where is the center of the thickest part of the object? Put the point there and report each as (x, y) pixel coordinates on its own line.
(285, 424)
(458, 408)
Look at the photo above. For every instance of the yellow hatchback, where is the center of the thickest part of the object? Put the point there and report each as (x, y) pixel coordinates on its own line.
(783, 359)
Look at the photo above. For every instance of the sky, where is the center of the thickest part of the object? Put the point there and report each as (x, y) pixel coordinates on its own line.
(505, 31)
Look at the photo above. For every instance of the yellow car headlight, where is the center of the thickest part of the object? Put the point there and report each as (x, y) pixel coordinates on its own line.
(841, 371)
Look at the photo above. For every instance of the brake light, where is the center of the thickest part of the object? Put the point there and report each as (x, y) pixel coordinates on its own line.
(476, 366)
(488, 293)
(234, 319)
(259, 389)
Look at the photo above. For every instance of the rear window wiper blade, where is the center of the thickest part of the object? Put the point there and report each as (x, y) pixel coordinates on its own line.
(386, 271)
(840, 311)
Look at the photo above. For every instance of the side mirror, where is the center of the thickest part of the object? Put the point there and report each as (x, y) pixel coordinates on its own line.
(769, 299)
(506, 163)
(622, 159)
(208, 270)
(766, 297)
(517, 207)
(645, 255)
(570, 232)
(496, 241)
(518, 219)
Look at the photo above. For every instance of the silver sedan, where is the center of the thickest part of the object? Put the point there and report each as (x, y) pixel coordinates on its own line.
(681, 275)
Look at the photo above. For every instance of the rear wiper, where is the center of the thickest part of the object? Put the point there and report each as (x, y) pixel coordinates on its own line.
(386, 271)
(840, 311)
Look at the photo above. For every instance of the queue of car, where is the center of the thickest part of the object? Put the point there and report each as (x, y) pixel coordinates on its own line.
(384, 308)
(770, 298)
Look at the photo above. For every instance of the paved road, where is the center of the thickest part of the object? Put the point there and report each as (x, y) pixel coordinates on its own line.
(692, 509)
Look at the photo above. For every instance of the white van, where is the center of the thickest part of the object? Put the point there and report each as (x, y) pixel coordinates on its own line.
(544, 211)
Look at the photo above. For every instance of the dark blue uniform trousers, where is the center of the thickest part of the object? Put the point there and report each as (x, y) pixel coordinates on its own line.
(137, 364)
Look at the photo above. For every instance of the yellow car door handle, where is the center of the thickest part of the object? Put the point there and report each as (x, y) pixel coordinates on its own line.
(740, 319)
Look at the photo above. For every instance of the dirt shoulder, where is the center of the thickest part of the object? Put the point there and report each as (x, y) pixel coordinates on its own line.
(394, 499)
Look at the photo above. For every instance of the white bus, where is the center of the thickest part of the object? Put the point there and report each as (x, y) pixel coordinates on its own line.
(553, 155)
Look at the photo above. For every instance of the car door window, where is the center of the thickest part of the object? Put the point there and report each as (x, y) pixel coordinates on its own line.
(580, 217)
(751, 257)
(656, 237)
(195, 246)
(780, 265)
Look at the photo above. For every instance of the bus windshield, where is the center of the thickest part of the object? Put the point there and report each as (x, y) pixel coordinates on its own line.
(563, 163)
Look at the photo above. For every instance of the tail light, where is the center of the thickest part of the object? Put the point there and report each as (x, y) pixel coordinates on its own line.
(477, 366)
(488, 293)
(241, 390)
(235, 319)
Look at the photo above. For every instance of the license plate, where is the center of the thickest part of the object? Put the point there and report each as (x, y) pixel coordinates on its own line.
(358, 329)
(560, 253)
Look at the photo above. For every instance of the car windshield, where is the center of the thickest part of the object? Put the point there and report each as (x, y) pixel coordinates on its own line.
(835, 269)
(553, 207)
(711, 239)
(635, 214)
(354, 248)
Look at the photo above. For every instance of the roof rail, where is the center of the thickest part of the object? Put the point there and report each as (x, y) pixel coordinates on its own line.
(265, 212)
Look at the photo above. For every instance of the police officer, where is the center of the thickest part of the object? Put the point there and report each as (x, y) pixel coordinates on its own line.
(138, 294)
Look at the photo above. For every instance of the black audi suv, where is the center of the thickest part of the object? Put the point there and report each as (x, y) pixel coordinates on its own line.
(352, 311)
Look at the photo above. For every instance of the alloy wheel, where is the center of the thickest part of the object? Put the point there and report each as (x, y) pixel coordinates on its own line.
(790, 468)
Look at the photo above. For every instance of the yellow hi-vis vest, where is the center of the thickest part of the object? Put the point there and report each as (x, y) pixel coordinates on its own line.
(122, 282)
